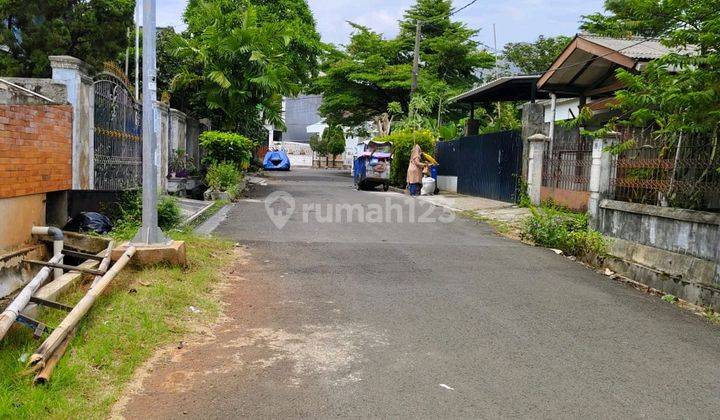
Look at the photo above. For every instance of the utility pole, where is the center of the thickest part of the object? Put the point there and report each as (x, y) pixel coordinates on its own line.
(127, 51)
(137, 51)
(416, 60)
(149, 233)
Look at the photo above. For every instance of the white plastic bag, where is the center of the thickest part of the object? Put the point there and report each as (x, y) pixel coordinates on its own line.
(428, 186)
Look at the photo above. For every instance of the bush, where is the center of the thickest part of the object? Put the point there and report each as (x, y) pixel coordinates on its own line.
(568, 231)
(403, 142)
(131, 214)
(223, 177)
(227, 147)
(168, 212)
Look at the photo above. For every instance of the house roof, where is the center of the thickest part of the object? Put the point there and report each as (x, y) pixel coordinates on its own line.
(587, 65)
(509, 88)
(635, 47)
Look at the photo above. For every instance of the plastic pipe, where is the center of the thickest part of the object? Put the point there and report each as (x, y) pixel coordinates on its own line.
(21, 300)
(58, 238)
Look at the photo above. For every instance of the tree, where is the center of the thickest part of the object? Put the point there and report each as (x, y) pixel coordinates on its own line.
(535, 57)
(679, 92)
(319, 146)
(238, 62)
(92, 30)
(361, 80)
(335, 140)
(677, 95)
(305, 45)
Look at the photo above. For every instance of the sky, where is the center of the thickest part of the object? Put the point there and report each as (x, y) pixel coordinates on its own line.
(515, 20)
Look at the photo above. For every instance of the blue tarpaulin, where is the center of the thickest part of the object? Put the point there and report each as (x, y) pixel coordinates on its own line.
(276, 160)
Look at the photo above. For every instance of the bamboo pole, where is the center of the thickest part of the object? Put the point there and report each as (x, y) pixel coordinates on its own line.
(105, 263)
(43, 375)
(23, 298)
(40, 358)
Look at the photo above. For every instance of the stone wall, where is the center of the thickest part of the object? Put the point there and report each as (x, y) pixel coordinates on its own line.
(670, 249)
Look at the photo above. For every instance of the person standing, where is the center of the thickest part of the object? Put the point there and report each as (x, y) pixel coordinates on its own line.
(415, 171)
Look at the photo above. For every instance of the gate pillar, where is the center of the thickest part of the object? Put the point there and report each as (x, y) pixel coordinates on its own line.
(535, 162)
(73, 73)
(601, 172)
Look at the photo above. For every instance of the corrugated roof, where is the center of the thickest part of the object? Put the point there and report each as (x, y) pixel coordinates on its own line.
(635, 47)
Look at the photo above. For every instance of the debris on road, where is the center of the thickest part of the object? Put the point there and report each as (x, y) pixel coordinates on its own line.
(449, 388)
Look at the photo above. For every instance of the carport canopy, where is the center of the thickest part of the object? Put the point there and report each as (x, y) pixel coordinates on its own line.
(586, 68)
(509, 88)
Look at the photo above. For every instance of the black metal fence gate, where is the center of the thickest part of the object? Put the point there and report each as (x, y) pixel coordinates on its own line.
(567, 165)
(488, 165)
(118, 135)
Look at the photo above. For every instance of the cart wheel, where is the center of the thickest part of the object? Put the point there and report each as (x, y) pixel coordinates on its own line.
(386, 187)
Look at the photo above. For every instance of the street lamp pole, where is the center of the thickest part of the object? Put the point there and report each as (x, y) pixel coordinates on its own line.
(149, 233)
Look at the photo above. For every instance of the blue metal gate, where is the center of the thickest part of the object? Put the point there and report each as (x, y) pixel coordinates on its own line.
(488, 165)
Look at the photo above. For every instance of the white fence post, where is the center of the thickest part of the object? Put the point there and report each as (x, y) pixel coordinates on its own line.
(601, 172)
(535, 162)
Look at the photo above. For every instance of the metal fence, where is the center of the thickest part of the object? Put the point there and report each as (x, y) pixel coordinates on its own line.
(488, 165)
(678, 170)
(567, 165)
(118, 135)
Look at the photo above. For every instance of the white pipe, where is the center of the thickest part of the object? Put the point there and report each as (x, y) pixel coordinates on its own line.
(58, 238)
(553, 116)
(23, 298)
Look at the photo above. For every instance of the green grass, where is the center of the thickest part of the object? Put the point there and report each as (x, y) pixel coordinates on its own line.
(140, 311)
(501, 227)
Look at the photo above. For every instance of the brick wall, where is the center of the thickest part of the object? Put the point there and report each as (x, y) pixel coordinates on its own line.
(35, 149)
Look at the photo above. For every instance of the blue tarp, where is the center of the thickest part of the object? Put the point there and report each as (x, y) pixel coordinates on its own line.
(276, 160)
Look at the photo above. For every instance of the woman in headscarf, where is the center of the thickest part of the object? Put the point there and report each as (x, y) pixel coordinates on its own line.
(415, 171)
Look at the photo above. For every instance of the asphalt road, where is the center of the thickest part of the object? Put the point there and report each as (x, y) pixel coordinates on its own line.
(331, 318)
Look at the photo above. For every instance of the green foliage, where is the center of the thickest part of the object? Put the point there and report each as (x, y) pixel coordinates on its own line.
(535, 57)
(239, 57)
(669, 298)
(679, 92)
(331, 143)
(91, 30)
(506, 117)
(223, 176)
(403, 142)
(227, 147)
(523, 196)
(555, 227)
(362, 79)
(335, 139)
(131, 214)
(318, 145)
(448, 131)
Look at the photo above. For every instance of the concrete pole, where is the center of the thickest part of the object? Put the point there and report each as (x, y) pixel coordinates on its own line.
(149, 233)
(416, 60)
(137, 51)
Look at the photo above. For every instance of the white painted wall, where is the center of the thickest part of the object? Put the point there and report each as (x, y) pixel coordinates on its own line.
(447, 183)
(562, 109)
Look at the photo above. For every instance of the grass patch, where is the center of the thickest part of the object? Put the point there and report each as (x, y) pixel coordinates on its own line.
(500, 226)
(140, 311)
(556, 227)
